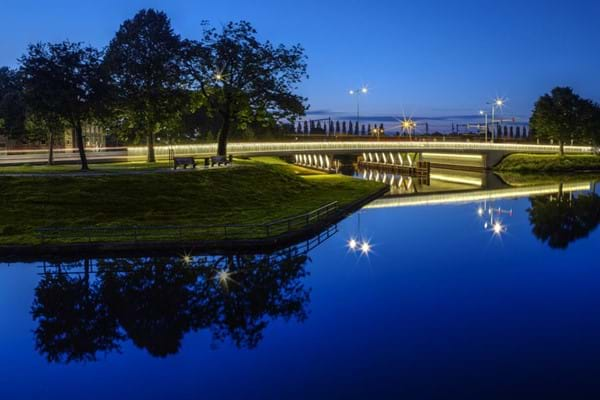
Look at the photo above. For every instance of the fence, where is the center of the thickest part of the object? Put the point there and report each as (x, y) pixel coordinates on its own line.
(186, 232)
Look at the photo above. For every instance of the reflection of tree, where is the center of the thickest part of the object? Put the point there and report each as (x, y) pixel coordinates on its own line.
(564, 218)
(255, 293)
(74, 323)
(153, 301)
(156, 301)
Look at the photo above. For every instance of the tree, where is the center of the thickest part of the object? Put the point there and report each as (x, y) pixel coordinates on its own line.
(62, 83)
(337, 127)
(244, 79)
(562, 115)
(12, 104)
(350, 128)
(144, 63)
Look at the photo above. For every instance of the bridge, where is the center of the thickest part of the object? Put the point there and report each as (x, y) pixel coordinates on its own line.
(468, 154)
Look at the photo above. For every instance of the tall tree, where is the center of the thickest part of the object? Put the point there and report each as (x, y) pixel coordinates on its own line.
(245, 79)
(562, 115)
(63, 82)
(12, 104)
(144, 63)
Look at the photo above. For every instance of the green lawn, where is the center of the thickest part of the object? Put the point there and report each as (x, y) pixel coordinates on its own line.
(549, 163)
(253, 193)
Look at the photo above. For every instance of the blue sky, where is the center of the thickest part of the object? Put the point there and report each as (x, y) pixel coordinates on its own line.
(419, 58)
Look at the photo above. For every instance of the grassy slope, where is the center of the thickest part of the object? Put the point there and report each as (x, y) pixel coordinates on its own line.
(245, 194)
(549, 163)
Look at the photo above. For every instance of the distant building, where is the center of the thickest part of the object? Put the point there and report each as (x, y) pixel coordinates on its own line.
(93, 136)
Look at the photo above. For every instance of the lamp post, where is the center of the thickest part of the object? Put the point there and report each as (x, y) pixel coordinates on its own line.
(497, 103)
(481, 112)
(357, 93)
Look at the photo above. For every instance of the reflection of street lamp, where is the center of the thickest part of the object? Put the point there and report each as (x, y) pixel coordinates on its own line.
(357, 93)
(481, 112)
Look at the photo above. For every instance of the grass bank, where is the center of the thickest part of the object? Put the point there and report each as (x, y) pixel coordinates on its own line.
(252, 192)
(549, 163)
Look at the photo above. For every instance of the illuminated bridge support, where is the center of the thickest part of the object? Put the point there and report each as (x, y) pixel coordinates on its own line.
(323, 162)
(409, 164)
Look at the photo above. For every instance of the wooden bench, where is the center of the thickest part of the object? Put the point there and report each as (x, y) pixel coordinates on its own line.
(183, 161)
(218, 160)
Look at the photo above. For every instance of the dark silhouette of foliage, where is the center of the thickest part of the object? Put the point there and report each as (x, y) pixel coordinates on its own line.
(156, 301)
(74, 322)
(562, 115)
(63, 82)
(145, 66)
(13, 111)
(245, 80)
(563, 219)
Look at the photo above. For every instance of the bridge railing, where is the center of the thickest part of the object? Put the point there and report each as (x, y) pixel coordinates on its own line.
(186, 232)
(337, 146)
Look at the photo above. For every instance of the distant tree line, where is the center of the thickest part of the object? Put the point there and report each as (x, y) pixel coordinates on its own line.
(331, 128)
(150, 83)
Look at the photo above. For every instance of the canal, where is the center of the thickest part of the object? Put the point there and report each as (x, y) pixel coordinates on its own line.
(470, 293)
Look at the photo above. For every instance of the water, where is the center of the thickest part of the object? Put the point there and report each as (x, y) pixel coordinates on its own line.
(466, 299)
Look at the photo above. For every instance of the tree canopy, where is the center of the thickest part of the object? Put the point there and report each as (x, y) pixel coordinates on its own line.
(562, 115)
(12, 104)
(62, 82)
(144, 63)
(244, 80)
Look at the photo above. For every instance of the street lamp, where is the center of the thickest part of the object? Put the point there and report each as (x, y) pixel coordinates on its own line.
(497, 103)
(481, 112)
(357, 93)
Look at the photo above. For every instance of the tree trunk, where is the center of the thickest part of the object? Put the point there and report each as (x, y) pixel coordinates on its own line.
(51, 148)
(562, 147)
(151, 156)
(81, 146)
(222, 140)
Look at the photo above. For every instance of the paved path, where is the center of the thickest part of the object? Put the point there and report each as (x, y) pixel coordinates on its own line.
(116, 172)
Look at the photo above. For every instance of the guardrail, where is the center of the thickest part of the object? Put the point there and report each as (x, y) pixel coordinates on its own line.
(359, 146)
(186, 232)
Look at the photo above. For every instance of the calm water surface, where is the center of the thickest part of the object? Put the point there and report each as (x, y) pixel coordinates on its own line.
(479, 296)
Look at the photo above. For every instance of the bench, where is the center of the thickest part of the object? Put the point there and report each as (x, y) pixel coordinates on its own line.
(184, 161)
(218, 160)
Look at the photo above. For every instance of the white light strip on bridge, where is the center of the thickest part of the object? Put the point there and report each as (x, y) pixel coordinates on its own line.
(471, 197)
(359, 146)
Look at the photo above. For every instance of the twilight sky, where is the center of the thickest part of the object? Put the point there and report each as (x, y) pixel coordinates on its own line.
(418, 58)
